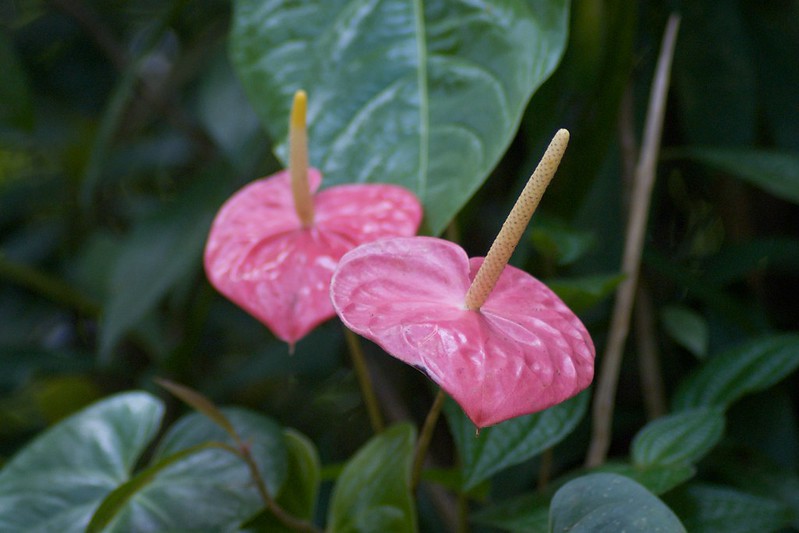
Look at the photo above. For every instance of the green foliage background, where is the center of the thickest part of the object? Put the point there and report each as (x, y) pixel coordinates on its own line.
(123, 127)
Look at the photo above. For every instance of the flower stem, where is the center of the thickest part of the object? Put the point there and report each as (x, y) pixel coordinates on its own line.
(425, 437)
(365, 382)
(298, 159)
(514, 226)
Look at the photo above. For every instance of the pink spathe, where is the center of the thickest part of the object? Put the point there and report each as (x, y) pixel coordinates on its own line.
(260, 256)
(524, 350)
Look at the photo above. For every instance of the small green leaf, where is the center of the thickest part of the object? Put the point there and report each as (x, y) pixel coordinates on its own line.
(562, 244)
(528, 513)
(299, 492)
(774, 172)
(726, 377)
(511, 442)
(57, 481)
(713, 508)
(583, 293)
(681, 438)
(687, 327)
(609, 503)
(435, 106)
(373, 491)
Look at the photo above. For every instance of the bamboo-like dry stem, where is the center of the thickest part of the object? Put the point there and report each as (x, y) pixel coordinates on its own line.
(605, 395)
(298, 159)
(514, 226)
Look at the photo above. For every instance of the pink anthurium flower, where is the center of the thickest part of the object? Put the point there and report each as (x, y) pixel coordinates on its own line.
(496, 339)
(274, 244)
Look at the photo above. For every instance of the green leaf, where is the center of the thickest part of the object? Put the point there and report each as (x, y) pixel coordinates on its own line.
(726, 377)
(57, 481)
(511, 442)
(159, 253)
(196, 480)
(561, 243)
(373, 491)
(199, 403)
(715, 85)
(434, 106)
(706, 508)
(774, 172)
(687, 327)
(681, 438)
(15, 96)
(299, 492)
(657, 478)
(609, 503)
(583, 293)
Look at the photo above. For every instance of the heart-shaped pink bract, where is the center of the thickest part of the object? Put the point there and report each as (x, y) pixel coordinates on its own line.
(524, 350)
(261, 257)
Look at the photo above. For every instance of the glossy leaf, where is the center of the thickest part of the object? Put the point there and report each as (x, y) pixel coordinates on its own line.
(522, 352)
(609, 503)
(194, 484)
(713, 508)
(435, 106)
(57, 481)
(752, 367)
(681, 438)
(261, 257)
(657, 478)
(774, 172)
(510, 442)
(373, 491)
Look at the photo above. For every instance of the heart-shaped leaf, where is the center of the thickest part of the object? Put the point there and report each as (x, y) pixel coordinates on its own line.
(373, 491)
(193, 483)
(609, 503)
(521, 352)
(513, 441)
(400, 91)
(57, 481)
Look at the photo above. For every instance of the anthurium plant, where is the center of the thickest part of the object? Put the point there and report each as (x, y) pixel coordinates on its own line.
(398, 266)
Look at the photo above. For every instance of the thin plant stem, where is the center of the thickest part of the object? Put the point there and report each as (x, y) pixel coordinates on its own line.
(364, 381)
(51, 288)
(602, 415)
(648, 355)
(545, 470)
(425, 437)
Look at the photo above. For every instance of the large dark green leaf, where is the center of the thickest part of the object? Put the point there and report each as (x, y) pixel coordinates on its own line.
(774, 172)
(400, 91)
(159, 253)
(728, 376)
(190, 485)
(681, 438)
(57, 481)
(609, 503)
(373, 491)
(513, 441)
(706, 508)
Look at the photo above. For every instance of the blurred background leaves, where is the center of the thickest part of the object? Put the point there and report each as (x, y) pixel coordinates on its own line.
(123, 128)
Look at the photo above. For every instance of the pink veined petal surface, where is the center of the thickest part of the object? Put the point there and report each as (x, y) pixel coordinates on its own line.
(522, 352)
(259, 256)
